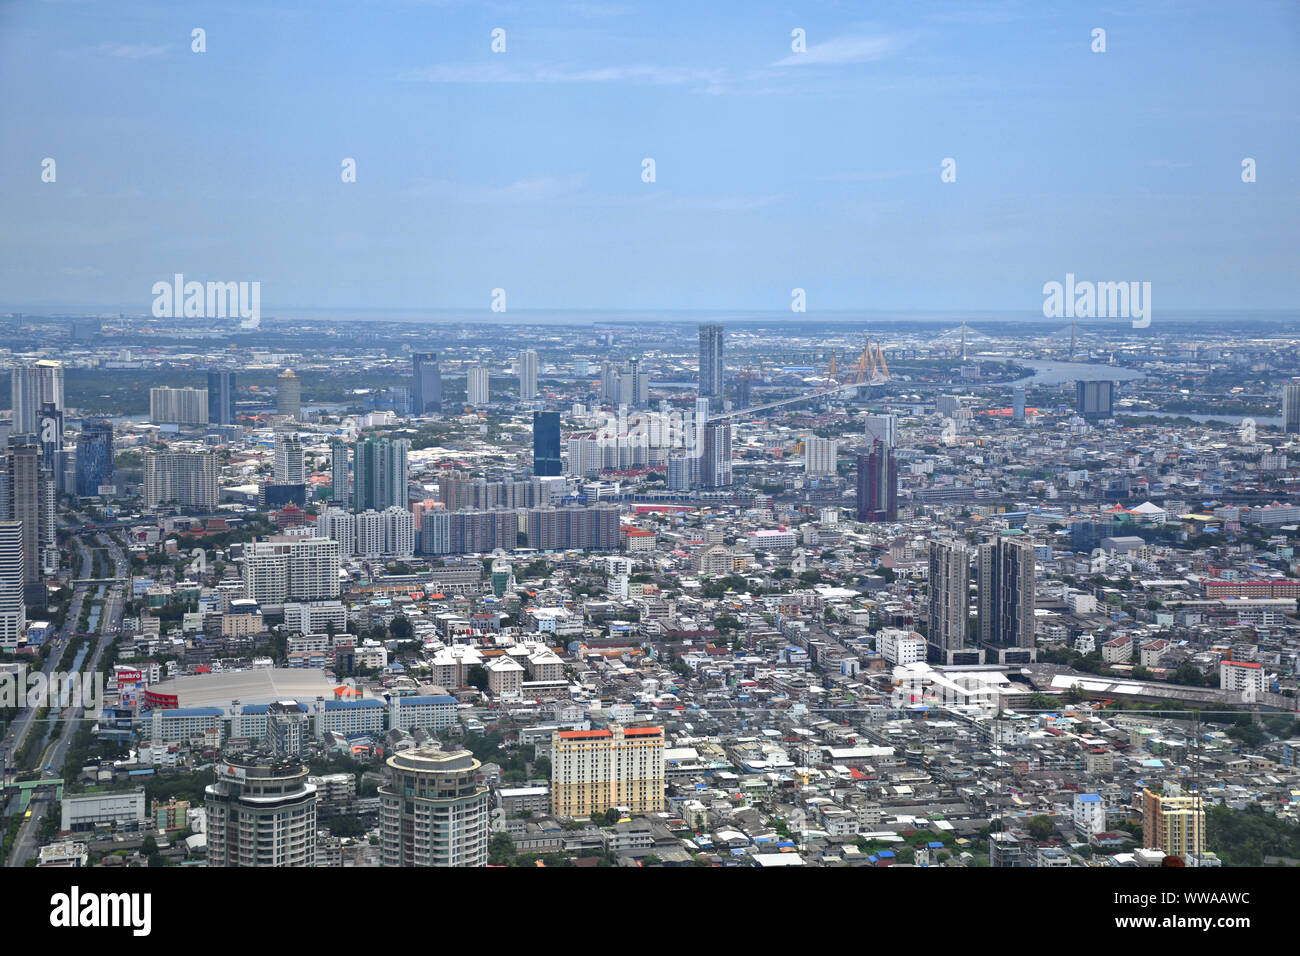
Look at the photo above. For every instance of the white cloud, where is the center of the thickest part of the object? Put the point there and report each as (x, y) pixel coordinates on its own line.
(842, 50)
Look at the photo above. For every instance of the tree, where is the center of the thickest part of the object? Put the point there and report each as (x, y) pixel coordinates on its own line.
(478, 677)
(1041, 828)
(501, 849)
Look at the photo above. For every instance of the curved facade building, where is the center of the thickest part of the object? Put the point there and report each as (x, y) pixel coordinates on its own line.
(433, 811)
(261, 812)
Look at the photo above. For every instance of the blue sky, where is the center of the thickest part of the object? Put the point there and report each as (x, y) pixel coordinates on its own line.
(775, 170)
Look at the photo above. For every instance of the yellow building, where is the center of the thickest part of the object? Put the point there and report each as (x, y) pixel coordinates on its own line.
(1174, 824)
(594, 770)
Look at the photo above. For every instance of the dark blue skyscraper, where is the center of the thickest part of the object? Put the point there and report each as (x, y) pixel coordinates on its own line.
(94, 457)
(426, 383)
(546, 444)
(221, 398)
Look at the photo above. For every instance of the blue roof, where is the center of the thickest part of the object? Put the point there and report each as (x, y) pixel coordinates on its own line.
(434, 699)
(886, 854)
(935, 846)
(255, 708)
(370, 704)
(193, 712)
(1089, 798)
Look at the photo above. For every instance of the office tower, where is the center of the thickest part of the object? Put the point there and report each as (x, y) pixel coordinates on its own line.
(380, 474)
(949, 597)
(1018, 403)
(288, 459)
(715, 460)
(947, 405)
(883, 429)
(877, 498)
(291, 568)
(288, 394)
(1095, 399)
(1006, 593)
(184, 478)
(711, 364)
(477, 388)
(595, 770)
(32, 385)
(94, 457)
(178, 406)
(609, 383)
(286, 728)
(432, 810)
(221, 398)
(1174, 823)
(49, 434)
(1290, 408)
(819, 455)
(338, 472)
(546, 444)
(426, 383)
(527, 368)
(13, 608)
(261, 812)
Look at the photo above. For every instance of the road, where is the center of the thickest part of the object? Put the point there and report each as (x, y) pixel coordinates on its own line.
(55, 753)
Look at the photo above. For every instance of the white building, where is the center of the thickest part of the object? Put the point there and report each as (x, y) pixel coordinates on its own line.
(1245, 676)
(900, 646)
(286, 568)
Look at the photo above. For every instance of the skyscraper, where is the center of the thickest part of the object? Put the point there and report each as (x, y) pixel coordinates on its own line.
(1006, 593)
(711, 364)
(477, 386)
(13, 609)
(882, 428)
(24, 485)
(31, 386)
(527, 367)
(949, 597)
(184, 478)
(546, 444)
(288, 459)
(877, 498)
(819, 455)
(426, 383)
(338, 472)
(1018, 403)
(221, 397)
(432, 810)
(261, 812)
(94, 457)
(715, 462)
(380, 474)
(288, 394)
(1291, 408)
(178, 406)
(1095, 399)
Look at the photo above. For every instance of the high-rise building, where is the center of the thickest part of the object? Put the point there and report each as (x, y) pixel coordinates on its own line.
(25, 501)
(221, 397)
(1018, 403)
(94, 457)
(637, 382)
(883, 429)
(288, 459)
(527, 367)
(711, 364)
(477, 387)
(339, 472)
(1174, 823)
(949, 597)
(49, 435)
(1290, 408)
(33, 385)
(338, 525)
(288, 394)
(381, 471)
(261, 812)
(1095, 399)
(819, 455)
(287, 726)
(178, 406)
(432, 810)
(13, 607)
(596, 770)
(877, 491)
(387, 533)
(715, 461)
(546, 444)
(426, 383)
(185, 478)
(291, 568)
(1006, 593)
